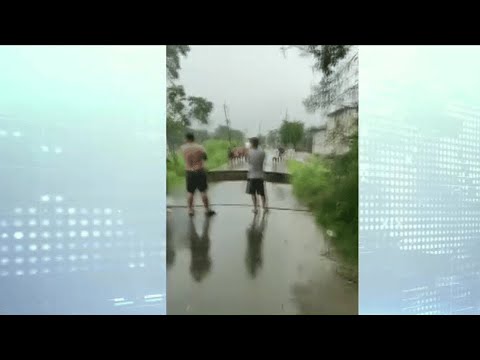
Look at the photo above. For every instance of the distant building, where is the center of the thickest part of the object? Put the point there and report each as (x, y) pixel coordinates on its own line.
(319, 142)
(324, 140)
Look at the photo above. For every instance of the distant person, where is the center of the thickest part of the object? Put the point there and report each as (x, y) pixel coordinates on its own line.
(255, 177)
(196, 177)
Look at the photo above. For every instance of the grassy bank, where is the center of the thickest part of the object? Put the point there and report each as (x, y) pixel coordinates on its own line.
(330, 189)
(217, 151)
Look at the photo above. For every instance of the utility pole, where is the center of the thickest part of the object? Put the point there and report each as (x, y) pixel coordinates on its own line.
(227, 120)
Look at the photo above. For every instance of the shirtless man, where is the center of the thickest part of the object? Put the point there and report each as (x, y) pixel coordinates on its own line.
(196, 177)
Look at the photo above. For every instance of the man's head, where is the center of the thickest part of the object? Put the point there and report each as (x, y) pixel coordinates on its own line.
(254, 141)
(189, 137)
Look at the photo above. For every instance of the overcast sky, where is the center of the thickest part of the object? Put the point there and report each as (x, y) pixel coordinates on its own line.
(258, 83)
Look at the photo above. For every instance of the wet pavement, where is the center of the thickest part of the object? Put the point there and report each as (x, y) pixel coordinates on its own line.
(241, 263)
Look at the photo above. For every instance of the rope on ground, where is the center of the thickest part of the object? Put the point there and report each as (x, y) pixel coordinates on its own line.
(237, 205)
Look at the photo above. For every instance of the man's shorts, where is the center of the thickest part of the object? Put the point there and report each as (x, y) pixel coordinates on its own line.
(255, 186)
(196, 180)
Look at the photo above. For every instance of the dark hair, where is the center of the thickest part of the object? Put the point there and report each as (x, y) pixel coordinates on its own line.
(254, 141)
(190, 137)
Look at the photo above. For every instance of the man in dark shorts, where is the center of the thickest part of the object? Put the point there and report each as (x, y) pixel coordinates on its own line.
(255, 182)
(196, 177)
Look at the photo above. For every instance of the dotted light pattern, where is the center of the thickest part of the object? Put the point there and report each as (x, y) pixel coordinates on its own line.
(4, 133)
(53, 237)
(55, 161)
(419, 206)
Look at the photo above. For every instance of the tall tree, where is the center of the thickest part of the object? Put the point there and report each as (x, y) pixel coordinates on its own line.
(337, 90)
(174, 54)
(182, 110)
(326, 56)
(291, 133)
(338, 86)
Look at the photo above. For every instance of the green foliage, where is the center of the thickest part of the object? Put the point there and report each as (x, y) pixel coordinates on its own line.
(330, 89)
(200, 135)
(174, 53)
(330, 189)
(217, 152)
(182, 110)
(307, 141)
(335, 73)
(222, 132)
(199, 109)
(175, 172)
(326, 56)
(291, 132)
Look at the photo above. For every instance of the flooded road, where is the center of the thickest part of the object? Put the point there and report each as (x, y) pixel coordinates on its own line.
(240, 263)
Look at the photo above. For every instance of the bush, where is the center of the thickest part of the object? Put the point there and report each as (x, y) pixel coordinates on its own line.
(330, 189)
(217, 152)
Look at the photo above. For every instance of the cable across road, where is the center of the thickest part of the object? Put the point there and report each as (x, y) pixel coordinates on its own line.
(237, 205)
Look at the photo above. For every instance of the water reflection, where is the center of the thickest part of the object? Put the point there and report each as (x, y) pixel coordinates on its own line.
(279, 192)
(201, 262)
(170, 247)
(255, 232)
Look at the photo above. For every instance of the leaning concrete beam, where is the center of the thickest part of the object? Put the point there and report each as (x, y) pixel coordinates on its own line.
(241, 175)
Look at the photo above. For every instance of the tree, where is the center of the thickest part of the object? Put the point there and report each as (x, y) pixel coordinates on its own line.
(326, 56)
(182, 110)
(291, 133)
(174, 53)
(273, 138)
(223, 132)
(200, 135)
(337, 91)
(338, 86)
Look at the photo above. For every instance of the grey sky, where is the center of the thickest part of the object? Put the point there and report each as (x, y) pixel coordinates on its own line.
(258, 83)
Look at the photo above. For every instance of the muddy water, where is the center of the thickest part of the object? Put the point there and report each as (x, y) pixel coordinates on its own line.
(239, 263)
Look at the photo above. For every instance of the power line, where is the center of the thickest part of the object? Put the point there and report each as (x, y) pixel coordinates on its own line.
(236, 205)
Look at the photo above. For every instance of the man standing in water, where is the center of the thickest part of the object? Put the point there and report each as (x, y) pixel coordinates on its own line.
(255, 183)
(196, 177)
